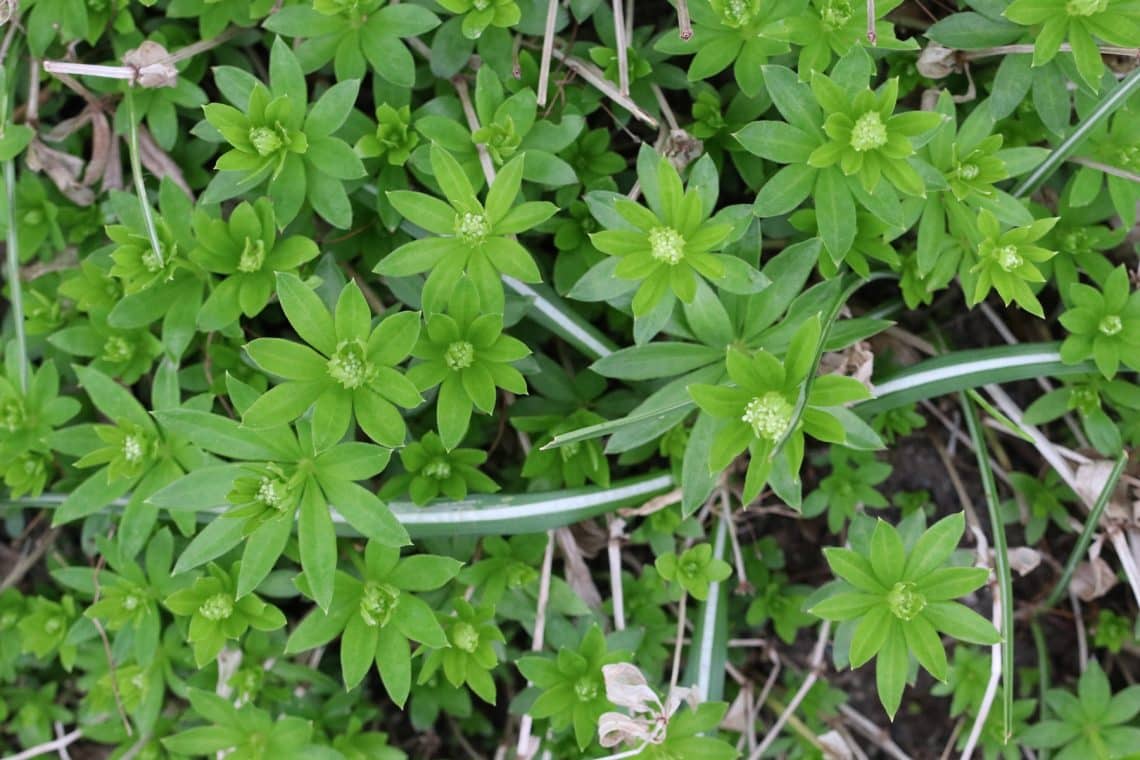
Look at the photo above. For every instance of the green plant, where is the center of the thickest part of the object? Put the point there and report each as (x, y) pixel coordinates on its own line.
(902, 599)
(389, 379)
(276, 138)
(1091, 723)
(573, 692)
(1103, 325)
(377, 614)
(347, 372)
(475, 238)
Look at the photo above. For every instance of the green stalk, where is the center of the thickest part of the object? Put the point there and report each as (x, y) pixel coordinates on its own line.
(1111, 101)
(137, 173)
(1043, 678)
(1001, 561)
(15, 289)
(709, 649)
(1091, 525)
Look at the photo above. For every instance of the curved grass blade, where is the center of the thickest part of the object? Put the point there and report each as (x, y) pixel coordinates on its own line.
(961, 370)
(476, 515)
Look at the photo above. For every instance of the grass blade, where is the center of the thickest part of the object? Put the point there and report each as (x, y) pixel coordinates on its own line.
(15, 290)
(1109, 103)
(478, 515)
(1091, 525)
(939, 376)
(709, 650)
(550, 311)
(1001, 561)
(961, 370)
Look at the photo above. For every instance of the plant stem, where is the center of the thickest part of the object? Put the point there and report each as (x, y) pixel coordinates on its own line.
(523, 749)
(53, 746)
(972, 55)
(680, 642)
(1091, 524)
(140, 183)
(1001, 562)
(1106, 168)
(547, 51)
(616, 527)
(991, 686)
(15, 289)
(1042, 676)
(1107, 105)
(684, 23)
(814, 665)
(622, 45)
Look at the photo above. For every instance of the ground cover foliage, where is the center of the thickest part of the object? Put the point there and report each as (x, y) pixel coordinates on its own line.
(499, 378)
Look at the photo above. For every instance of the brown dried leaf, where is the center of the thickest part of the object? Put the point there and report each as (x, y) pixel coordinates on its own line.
(1091, 478)
(681, 148)
(737, 719)
(62, 169)
(1092, 580)
(591, 537)
(101, 150)
(68, 127)
(857, 361)
(113, 174)
(626, 687)
(615, 728)
(150, 62)
(158, 162)
(656, 504)
(834, 747)
(577, 572)
(937, 61)
(1024, 560)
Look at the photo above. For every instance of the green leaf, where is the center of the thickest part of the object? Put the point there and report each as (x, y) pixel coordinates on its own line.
(424, 572)
(887, 553)
(201, 489)
(871, 634)
(891, 670)
(777, 141)
(934, 547)
(332, 108)
(835, 212)
(306, 313)
(262, 549)
(786, 190)
(972, 31)
(90, 496)
(654, 360)
(220, 435)
(924, 643)
(285, 74)
(854, 569)
(317, 542)
(961, 622)
(365, 512)
(358, 648)
(113, 400)
(214, 540)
